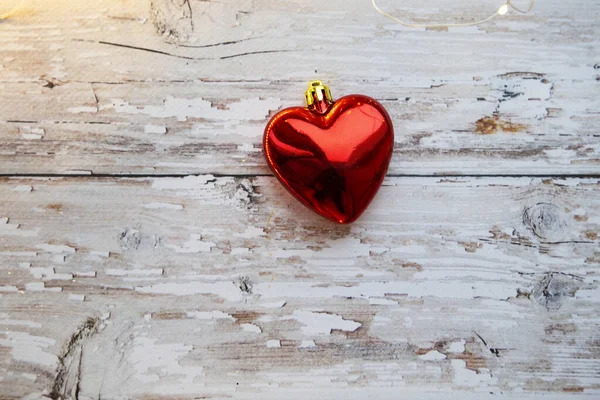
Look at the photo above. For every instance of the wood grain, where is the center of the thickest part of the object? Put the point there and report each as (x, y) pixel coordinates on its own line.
(187, 87)
(146, 252)
(226, 287)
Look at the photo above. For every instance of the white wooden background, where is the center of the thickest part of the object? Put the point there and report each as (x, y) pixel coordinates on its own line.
(147, 253)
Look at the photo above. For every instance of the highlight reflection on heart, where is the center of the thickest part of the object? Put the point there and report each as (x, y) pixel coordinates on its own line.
(334, 157)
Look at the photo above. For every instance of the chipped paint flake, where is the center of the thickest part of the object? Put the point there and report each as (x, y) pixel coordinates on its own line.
(30, 349)
(251, 328)
(84, 274)
(153, 361)
(457, 347)
(225, 290)
(307, 344)
(432, 355)
(320, 323)
(56, 249)
(99, 253)
(156, 129)
(22, 188)
(134, 272)
(194, 245)
(45, 273)
(191, 182)
(469, 378)
(40, 287)
(31, 136)
(418, 289)
(13, 322)
(209, 315)
(8, 229)
(163, 206)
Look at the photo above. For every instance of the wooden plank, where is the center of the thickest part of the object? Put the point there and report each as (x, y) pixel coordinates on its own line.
(226, 287)
(130, 88)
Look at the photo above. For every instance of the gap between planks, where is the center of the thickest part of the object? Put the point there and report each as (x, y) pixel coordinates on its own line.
(250, 176)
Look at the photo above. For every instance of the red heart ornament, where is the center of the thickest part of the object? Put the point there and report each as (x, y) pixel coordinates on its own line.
(331, 156)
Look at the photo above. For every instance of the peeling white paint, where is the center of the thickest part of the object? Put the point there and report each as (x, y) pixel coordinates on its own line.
(23, 188)
(238, 251)
(248, 148)
(59, 258)
(134, 272)
(31, 136)
(144, 279)
(209, 315)
(194, 245)
(590, 294)
(99, 253)
(163, 206)
(307, 344)
(18, 253)
(273, 344)
(154, 361)
(84, 274)
(56, 249)
(191, 182)
(45, 273)
(156, 129)
(251, 328)
(30, 349)
(469, 378)
(432, 355)
(226, 290)
(184, 109)
(8, 229)
(412, 219)
(440, 289)
(13, 322)
(320, 323)
(457, 347)
(40, 287)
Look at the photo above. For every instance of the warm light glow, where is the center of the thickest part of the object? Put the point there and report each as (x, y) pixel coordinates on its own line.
(9, 13)
(503, 10)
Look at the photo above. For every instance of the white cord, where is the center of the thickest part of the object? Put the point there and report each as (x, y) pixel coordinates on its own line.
(510, 4)
(501, 11)
(11, 12)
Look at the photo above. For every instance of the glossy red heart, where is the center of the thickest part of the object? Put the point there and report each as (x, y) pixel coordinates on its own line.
(333, 162)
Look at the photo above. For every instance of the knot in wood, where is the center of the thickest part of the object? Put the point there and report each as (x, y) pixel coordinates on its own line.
(546, 221)
(553, 289)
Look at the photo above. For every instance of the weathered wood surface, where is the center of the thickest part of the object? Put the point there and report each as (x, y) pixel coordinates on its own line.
(128, 88)
(226, 287)
(221, 285)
